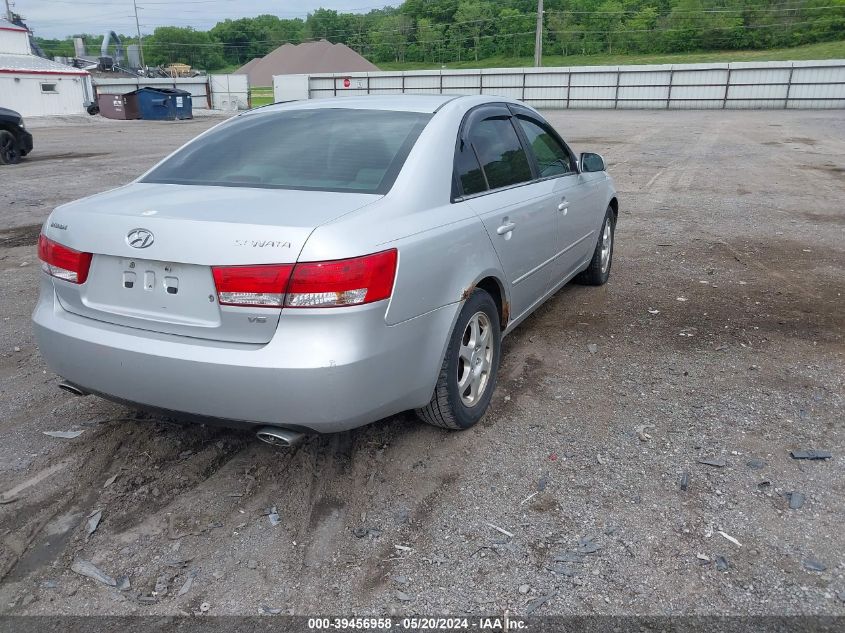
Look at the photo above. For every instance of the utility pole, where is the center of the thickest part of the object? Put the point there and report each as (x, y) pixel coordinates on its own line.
(8, 11)
(140, 39)
(538, 36)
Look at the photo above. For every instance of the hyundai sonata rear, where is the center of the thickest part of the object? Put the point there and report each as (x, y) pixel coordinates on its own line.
(318, 266)
(183, 291)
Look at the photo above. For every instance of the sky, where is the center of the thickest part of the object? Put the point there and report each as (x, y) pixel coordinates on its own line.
(59, 18)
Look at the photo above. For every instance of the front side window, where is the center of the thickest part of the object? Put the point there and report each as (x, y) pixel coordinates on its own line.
(552, 157)
(500, 153)
(326, 149)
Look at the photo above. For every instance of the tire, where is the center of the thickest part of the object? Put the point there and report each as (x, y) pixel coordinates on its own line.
(10, 153)
(452, 407)
(597, 273)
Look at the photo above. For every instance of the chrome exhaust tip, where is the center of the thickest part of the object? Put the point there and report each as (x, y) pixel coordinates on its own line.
(277, 436)
(71, 388)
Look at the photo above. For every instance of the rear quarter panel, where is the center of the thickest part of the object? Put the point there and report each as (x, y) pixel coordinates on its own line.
(443, 252)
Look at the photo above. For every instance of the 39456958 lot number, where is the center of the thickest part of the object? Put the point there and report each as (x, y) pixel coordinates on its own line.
(375, 624)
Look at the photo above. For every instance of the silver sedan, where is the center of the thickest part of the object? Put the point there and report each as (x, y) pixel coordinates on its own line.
(319, 265)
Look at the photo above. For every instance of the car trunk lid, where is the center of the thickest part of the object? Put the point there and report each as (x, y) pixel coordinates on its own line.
(154, 247)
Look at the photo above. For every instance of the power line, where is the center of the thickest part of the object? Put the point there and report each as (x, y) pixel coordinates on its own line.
(500, 34)
(516, 34)
(338, 34)
(360, 38)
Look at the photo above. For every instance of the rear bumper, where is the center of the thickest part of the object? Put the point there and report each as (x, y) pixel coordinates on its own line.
(325, 370)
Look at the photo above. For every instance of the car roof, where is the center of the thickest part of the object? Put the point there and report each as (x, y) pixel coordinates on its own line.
(394, 102)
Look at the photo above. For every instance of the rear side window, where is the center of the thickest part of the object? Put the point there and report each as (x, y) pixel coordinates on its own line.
(552, 157)
(500, 153)
(469, 171)
(338, 149)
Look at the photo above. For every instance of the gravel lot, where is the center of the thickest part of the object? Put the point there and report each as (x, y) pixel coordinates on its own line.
(719, 337)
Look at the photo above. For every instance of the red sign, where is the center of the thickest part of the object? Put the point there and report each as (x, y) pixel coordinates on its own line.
(346, 82)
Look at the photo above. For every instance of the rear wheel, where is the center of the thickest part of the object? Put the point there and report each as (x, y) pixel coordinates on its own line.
(10, 153)
(468, 374)
(598, 272)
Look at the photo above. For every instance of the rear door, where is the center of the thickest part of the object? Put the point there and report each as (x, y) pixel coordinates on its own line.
(570, 193)
(495, 177)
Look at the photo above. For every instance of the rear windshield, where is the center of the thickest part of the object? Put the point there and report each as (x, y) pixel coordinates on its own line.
(345, 150)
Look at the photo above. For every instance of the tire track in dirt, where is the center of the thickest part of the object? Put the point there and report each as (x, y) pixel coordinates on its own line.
(70, 495)
(323, 522)
(48, 526)
(431, 495)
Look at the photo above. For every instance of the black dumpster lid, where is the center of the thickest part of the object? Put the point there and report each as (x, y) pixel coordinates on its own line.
(165, 91)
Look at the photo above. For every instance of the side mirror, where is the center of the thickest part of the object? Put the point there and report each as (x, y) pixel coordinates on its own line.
(590, 162)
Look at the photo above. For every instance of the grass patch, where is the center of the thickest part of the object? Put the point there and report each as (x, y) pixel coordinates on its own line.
(824, 50)
(261, 96)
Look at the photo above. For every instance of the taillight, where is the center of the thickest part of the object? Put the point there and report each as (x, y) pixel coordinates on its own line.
(332, 284)
(63, 262)
(255, 286)
(343, 282)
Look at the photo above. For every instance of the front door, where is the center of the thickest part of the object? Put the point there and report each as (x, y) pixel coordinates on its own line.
(571, 194)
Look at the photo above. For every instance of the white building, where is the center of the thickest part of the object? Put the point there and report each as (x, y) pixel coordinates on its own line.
(35, 86)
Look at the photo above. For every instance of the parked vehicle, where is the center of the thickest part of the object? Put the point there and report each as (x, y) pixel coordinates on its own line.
(15, 140)
(318, 265)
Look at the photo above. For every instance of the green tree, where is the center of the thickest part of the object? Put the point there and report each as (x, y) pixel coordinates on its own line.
(391, 37)
(324, 24)
(640, 27)
(514, 33)
(247, 38)
(430, 39)
(436, 31)
(473, 21)
(169, 44)
(562, 38)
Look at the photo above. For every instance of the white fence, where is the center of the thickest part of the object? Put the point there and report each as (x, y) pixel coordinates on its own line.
(221, 92)
(229, 92)
(751, 85)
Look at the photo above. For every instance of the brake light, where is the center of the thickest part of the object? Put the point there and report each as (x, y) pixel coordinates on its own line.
(255, 286)
(332, 284)
(344, 282)
(63, 262)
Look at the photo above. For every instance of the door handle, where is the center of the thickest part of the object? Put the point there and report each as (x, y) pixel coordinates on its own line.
(506, 228)
(564, 204)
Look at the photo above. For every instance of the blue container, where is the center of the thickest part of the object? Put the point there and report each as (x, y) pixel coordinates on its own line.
(164, 104)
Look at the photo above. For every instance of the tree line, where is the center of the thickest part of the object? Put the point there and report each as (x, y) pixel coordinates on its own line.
(442, 31)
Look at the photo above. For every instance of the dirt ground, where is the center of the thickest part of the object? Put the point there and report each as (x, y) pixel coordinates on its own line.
(719, 337)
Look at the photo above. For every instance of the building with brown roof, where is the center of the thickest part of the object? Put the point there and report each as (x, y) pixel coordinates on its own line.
(301, 59)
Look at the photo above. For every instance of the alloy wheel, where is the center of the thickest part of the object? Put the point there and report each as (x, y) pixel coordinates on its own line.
(606, 245)
(475, 359)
